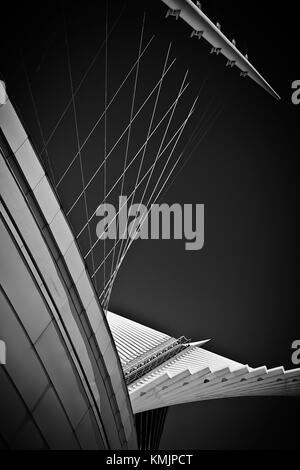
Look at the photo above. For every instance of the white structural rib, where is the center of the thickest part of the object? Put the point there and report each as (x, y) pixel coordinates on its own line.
(132, 339)
(202, 26)
(191, 373)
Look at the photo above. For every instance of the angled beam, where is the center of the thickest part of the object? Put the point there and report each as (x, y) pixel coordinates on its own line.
(193, 15)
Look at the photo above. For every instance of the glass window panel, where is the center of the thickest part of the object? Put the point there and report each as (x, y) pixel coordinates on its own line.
(81, 345)
(21, 362)
(52, 421)
(17, 283)
(12, 409)
(62, 374)
(89, 434)
(28, 438)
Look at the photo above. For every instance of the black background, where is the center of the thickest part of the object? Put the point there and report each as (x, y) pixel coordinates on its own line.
(241, 289)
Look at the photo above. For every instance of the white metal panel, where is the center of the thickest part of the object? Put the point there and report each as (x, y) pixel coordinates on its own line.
(11, 126)
(30, 165)
(46, 199)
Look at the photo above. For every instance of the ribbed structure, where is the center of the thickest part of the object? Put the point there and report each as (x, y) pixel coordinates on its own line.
(193, 373)
(132, 339)
(149, 428)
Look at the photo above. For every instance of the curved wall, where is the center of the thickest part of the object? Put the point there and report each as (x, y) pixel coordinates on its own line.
(62, 385)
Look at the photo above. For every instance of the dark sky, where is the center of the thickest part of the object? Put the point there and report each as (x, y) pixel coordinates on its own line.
(241, 289)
